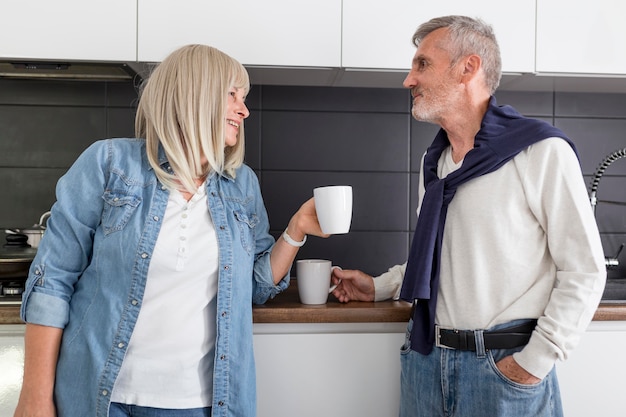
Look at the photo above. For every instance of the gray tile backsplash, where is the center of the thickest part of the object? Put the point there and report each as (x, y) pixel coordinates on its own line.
(325, 141)
(298, 138)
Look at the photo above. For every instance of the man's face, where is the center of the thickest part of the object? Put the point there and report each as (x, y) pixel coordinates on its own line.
(433, 83)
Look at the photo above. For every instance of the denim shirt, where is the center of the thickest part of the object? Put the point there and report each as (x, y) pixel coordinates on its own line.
(89, 274)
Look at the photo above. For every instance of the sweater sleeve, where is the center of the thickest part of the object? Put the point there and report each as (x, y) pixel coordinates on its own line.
(387, 285)
(557, 195)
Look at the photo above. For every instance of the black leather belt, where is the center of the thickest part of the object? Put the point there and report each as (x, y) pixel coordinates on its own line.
(506, 338)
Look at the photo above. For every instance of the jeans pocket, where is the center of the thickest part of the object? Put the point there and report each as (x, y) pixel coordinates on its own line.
(498, 354)
(406, 346)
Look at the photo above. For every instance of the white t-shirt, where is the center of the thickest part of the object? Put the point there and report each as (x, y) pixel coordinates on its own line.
(169, 361)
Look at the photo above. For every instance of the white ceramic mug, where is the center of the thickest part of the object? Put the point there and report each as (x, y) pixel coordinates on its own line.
(333, 205)
(313, 276)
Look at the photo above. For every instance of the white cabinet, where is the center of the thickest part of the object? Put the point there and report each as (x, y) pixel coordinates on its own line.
(378, 34)
(342, 369)
(592, 379)
(11, 366)
(271, 32)
(328, 369)
(309, 370)
(581, 37)
(101, 30)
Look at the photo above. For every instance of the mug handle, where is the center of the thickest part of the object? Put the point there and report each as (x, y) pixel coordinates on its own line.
(332, 288)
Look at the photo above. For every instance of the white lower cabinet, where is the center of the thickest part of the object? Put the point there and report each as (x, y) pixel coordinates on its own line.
(592, 378)
(312, 370)
(354, 370)
(11, 366)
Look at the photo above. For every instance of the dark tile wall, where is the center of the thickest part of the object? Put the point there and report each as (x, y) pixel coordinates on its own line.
(298, 138)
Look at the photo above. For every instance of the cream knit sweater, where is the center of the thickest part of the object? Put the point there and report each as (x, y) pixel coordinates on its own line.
(521, 242)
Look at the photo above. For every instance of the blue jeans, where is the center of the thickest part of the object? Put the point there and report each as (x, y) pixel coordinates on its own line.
(455, 383)
(124, 410)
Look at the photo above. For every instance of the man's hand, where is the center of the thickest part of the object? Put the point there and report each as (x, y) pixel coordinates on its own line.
(516, 373)
(353, 285)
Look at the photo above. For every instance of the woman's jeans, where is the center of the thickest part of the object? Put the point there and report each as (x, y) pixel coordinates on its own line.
(124, 410)
(456, 383)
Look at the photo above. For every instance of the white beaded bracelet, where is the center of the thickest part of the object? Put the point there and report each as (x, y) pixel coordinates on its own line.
(292, 242)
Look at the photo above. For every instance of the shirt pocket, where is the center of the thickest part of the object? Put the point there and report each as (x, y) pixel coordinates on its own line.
(118, 207)
(247, 223)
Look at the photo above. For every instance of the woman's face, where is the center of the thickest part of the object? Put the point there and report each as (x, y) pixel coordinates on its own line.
(236, 111)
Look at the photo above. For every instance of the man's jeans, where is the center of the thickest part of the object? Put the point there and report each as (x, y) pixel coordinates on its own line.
(455, 383)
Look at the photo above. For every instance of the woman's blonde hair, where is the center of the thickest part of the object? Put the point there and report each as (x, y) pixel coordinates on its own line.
(182, 107)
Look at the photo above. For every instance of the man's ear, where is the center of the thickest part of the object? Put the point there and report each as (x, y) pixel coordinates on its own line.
(472, 65)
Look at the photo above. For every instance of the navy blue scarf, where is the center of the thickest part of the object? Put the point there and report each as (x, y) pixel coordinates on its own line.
(503, 134)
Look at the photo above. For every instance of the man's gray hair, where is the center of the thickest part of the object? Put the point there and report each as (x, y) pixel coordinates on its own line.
(468, 36)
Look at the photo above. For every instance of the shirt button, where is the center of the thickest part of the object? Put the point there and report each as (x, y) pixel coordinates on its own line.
(226, 268)
(134, 302)
(155, 218)
(222, 227)
(224, 314)
(144, 255)
(105, 392)
(120, 345)
(213, 193)
(220, 403)
(222, 357)
(116, 199)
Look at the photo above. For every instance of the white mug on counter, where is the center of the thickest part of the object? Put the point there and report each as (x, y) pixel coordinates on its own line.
(333, 205)
(313, 277)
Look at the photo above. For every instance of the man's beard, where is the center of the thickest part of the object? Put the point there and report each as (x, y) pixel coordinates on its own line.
(430, 107)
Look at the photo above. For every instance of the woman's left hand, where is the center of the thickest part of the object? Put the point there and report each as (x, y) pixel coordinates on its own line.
(305, 222)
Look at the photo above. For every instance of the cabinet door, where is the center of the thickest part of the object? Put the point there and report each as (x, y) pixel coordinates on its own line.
(271, 32)
(575, 36)
(12, 366)
(101, 30)
(326, 372)
(592, 379)
(378, 34)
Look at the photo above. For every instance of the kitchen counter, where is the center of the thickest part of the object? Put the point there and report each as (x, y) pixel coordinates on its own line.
(286, 308)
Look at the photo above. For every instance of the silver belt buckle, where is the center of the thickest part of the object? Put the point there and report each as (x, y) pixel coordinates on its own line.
(438, 338)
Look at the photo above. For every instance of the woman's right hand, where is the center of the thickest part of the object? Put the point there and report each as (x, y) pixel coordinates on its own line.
(41, 351)
(32, 407)
(352, 285)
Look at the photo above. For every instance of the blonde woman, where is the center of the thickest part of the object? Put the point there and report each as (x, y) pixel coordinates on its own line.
(139, 302)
